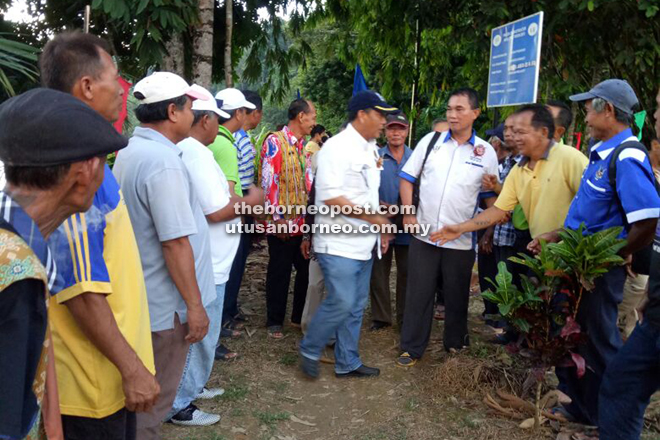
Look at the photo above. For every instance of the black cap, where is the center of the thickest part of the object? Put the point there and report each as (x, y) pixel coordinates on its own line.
(45, 127)
(397, 119)
(367, 99)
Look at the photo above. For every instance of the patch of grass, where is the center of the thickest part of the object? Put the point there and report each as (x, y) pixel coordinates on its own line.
(235, 391)
(270, 419)
(289, 359)
(278, 387)
(237, 412)
(411, 404)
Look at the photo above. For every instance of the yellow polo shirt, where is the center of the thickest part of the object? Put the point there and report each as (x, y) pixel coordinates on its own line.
(97, 252)
(546, 192)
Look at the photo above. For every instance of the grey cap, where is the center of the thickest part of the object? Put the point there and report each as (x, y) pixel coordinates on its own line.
(615, 91)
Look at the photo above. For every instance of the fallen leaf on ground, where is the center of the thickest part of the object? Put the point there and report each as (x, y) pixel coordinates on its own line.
(295, 419)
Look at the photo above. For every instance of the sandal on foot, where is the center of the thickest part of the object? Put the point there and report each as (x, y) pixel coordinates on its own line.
(275, 332)
(222, 353)
(405, 360)
(229, 333)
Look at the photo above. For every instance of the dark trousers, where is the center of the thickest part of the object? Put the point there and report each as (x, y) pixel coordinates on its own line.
(630, 380)
(282, 256)
(230, 305)
(379, 292)
(424, 263)
(487, 267)
(118, 426)
(598, 319)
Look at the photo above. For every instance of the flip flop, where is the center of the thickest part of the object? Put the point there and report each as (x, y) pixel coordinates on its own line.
(275, 332)
(222, 353)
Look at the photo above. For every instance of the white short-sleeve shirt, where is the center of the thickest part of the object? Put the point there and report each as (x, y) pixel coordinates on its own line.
(347, 166)
(212, 188)
(451, 182)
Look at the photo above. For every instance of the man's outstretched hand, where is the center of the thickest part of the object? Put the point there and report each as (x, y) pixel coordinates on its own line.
(446, 234)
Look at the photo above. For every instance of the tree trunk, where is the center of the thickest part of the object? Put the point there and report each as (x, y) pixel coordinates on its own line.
(229, 23)
(203, 45)
(173, 61)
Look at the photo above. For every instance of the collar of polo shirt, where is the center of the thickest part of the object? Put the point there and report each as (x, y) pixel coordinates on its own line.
(471, 141)
(523, 161)
(603, 149)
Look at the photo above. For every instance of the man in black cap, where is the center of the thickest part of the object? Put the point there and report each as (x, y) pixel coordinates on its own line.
(53, 147)
(347, 180)
(395, 155)
(618, 190)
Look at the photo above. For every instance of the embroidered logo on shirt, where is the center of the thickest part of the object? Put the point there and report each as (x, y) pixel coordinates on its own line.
(478, 150)
(600, 173)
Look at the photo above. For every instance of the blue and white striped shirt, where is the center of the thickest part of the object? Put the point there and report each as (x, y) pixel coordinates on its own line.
(246, 153)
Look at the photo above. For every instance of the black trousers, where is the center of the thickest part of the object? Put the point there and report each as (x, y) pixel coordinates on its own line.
(597, 317)
(117, 426)
(283, 255)
(379, 291)
(487, 267)
(425, 261)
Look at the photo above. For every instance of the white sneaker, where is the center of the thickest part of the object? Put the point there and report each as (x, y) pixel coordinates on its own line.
(193, 416)
(210, 393)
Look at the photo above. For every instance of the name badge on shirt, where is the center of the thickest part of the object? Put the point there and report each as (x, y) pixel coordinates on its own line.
(476, 158)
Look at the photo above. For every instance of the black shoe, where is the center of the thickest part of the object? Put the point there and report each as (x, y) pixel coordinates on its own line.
(309, 367)
(363, 371)
(379, 325)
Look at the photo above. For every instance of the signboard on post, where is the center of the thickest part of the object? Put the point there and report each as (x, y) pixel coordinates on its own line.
(515, 55)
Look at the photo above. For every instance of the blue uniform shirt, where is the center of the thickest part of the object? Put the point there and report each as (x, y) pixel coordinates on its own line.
(595, 205)
(388, 191)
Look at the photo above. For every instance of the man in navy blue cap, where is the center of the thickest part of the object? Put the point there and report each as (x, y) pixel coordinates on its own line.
(618, 189)
(347, 179)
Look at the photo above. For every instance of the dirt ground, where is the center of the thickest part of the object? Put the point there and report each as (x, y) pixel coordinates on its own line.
(266, 397)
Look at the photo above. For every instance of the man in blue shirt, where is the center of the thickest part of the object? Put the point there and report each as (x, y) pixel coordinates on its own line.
(394, 156)
(632, 376)
(633, 203)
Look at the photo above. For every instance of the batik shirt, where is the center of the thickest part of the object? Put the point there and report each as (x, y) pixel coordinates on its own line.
(27, 272)
(286, 177)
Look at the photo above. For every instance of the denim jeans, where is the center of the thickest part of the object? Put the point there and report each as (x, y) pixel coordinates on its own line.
(200, 357)
(630, 380)
(340, 314)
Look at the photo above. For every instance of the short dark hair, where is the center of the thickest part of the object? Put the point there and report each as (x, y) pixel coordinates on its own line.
(297, 107)
(36, 177)
(254, 98)
(70, 56)
(470, 94)
(318, 129)
(231, 114)
(199, 115)
(541, 117)
(438, 121)
(157, 111)
(565, 116)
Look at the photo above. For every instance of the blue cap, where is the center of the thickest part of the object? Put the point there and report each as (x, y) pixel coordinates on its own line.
(497, 132)
(615, 91)
(367, 99)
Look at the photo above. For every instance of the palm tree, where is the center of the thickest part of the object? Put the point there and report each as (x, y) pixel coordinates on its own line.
(16, 57)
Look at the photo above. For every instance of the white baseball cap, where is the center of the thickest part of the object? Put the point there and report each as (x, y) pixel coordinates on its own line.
(233, 99)
(209, 104)
(161, 86)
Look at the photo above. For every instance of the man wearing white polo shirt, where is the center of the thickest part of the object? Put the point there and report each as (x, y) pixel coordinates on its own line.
(448, 174)
(348, 177)
(211, 186)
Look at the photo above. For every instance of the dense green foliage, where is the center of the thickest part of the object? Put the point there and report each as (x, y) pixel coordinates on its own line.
(544, 311)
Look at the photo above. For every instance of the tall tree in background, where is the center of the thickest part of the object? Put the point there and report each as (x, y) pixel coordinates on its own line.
(229, 26)
(202, 58)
